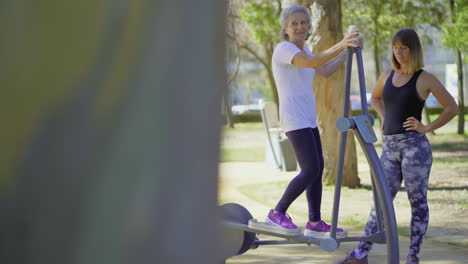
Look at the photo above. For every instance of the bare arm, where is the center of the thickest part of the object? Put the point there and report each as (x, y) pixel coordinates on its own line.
(304, 60)
(446, 100)
(330, 67)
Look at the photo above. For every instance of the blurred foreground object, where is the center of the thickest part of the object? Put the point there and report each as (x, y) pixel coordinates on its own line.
(110, 134)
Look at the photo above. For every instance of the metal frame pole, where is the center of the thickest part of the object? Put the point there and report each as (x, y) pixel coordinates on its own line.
(344, 134)
(362, 128)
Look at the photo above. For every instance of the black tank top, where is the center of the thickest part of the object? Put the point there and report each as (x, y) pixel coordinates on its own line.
(400, 103)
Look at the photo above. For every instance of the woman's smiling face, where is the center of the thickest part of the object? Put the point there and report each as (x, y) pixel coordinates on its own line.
(297, 28)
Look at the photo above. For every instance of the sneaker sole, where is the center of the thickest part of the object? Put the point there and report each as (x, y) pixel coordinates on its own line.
(311, 233)
(273, 227)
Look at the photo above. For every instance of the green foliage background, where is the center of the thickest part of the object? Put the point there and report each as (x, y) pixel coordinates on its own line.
(456, 32)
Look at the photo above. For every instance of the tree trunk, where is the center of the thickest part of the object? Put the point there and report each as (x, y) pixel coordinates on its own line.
(329, 92)
(271, 80)
(267, 64)
(377, 51)
(461, 100)
(227, 111)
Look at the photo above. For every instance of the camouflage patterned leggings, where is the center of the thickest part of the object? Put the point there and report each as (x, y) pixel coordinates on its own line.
(406, 157)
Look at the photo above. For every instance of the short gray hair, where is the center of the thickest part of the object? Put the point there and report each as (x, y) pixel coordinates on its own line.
(287, 12)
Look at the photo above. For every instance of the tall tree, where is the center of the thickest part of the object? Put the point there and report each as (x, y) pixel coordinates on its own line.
(258, 33)
(231, 51)
(378, 20)
(326, 31)
(456, 37)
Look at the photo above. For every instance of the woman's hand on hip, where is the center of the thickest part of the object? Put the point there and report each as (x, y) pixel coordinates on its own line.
(412, 123)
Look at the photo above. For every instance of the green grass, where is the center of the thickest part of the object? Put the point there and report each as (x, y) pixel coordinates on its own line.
(452, 160)
(442, 141)
(448, 146)
(434, 116)
(229, 154)
(242, 154)
(403, 230)
(240, 127)
(448, 141)
(463, 244)
(353, 222)
(461, 197)
(262, 193)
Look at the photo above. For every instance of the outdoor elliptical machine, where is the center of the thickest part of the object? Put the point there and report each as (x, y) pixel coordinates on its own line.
(240, 237)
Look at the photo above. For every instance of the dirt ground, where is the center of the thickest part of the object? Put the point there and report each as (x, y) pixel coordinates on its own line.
(250, 184)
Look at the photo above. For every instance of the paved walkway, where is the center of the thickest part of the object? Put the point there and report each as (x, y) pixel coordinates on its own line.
(235, 174)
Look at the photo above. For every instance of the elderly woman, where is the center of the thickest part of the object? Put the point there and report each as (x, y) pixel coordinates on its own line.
(294, 68)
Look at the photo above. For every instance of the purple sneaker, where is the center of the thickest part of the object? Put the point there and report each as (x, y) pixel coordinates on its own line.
(281, 223)
(322, 229)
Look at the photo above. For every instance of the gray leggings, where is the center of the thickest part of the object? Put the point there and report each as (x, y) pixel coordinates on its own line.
(406, 157)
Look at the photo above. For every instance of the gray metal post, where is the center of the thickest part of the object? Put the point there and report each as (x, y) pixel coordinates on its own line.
(378, 209)
(362, 92)
(362, 128)
(344, 134)
(385, 199)
(362, 81)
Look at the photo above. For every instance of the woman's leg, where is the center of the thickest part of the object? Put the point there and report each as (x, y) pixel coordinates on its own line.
(307, 154)
(416, 167)
(314, 191)
(391, 165)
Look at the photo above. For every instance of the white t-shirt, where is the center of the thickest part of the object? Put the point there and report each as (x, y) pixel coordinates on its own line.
(296, 97)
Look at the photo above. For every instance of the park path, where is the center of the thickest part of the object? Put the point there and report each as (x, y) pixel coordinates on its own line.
(235, 174)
